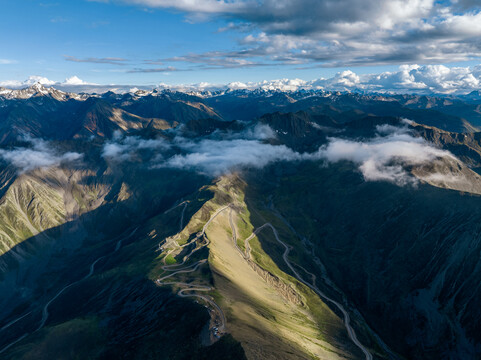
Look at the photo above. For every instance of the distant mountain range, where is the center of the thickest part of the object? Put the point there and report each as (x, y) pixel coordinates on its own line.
(45, 112)
(239, 224)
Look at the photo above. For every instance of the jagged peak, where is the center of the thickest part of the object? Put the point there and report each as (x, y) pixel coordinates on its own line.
(40, 88)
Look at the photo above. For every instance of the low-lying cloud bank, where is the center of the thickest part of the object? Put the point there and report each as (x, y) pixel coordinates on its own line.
(122, 148)
(41, 154)
(216, 157)
(386, 157)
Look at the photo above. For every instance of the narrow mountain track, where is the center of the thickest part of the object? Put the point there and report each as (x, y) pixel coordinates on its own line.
(234, 233)
(328, 281)
(45, 312)
(285, 256)
(182, 269)
(181, 225)
(15, 321)
(175, 207)
(313, 276)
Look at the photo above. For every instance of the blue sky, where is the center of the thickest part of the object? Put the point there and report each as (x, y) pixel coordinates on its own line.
(145, 42)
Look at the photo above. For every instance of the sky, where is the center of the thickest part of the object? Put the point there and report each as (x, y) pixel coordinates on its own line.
(400, 44)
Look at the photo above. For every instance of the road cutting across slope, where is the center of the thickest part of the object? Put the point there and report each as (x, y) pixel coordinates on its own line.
(45, 312)
(181, 269)
(346, 318)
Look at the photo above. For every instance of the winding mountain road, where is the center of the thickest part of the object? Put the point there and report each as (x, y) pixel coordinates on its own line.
(14, 321)
(181, 269)
(181, 226)
(326, 279)
(234, 233)
(347, 319)
(45, 313)
(285, 256)
(178, 269)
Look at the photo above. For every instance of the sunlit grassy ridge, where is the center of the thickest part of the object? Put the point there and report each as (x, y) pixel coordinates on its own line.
(267, 310)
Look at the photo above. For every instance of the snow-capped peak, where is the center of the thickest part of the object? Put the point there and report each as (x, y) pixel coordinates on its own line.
(35, 79)
(39, 88)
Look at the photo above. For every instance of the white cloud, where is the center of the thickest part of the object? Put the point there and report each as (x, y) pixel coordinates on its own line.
(338, 32)
(203, 86)
(259, 132)
(414, 78)
(7, 61)
(423, 79)
(429, 78)
(386, 156)
(215, 157)
(74, 80)
(280, 84)
(341, 81)
(123, 148)
(71, 83)
(383, 158)
(41, 154)
(38, 79)
(15, 84)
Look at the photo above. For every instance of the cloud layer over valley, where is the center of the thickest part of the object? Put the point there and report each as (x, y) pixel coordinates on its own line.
(390, 155)
(41, 154)
(122, 148)
(386, 157)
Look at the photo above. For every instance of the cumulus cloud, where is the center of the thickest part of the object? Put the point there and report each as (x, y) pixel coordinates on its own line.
(70, 82)
(41, 154)
(266, 85)
(13, 84)
(200, 87)
(338, 32)
(421, 79)
(74, 80)
(429, 78)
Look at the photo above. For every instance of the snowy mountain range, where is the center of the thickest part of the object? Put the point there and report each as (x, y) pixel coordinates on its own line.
(426, 79)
